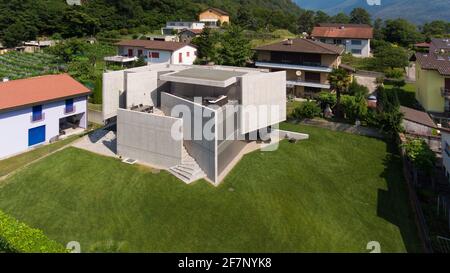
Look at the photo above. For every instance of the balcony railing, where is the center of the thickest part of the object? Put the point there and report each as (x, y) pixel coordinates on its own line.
(305, 66)
(69, 109)
(445, 92)
(37, 117)
(313, 84)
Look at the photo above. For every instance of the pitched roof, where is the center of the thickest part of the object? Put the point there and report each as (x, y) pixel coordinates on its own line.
(150, 44)
(439, 43)
(434, 61)
(343, 31)
(222, 12)
(31, 91)
(195, 31)
(302, 45)
(417, 116)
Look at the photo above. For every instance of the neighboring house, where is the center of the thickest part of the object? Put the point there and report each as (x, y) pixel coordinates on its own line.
(173, 27)
(433, 80)
(186, 36)
(355, 38)
(445, 140)
(74, 2)
(307, 64)
(163, 38)
(417, 122)
(214, 17)
(35, 46)
(38, 110)
(158, 51)
(195, 121)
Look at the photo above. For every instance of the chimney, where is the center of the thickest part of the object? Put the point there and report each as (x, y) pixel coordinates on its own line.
(289, 41)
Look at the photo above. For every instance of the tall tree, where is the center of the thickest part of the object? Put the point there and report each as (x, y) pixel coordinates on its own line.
(360, 16)
(321, 17)
(306, 21)
(19, 32)
(378, 29)
(235, 48)
(340, 18)
(401, 32)
(436, 28)
(206, 45)
(340, 81)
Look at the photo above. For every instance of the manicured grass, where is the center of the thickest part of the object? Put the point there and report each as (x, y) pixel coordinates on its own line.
(334, 192)
(10, 164)
(291, 105)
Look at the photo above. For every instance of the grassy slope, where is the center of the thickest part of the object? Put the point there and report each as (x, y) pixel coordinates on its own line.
(334, 192)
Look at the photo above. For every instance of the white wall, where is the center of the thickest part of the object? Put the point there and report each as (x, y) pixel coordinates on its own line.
(184, 51)
(14, 125)
(365, 46)
(164, 56)
(141, 88)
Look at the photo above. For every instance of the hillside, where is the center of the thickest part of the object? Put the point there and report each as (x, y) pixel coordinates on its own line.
(417, 11)
(28, 18)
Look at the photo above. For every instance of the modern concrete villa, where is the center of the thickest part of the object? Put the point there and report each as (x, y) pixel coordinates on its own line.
(195, 121)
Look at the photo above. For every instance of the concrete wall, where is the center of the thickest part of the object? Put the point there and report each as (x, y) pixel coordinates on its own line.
(192, 90)
(113, 93)
(141, 88)
(263, 89)
(203, 150)
(416, 128)
(148, 138)
(14, 125)
(188, 54)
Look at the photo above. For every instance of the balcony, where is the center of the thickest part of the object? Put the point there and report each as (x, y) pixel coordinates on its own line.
(37, 117)
(305, 66)
(291, 83)
(445, 92)
(69, 109)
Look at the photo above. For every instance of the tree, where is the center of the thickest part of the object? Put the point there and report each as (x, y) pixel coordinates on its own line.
(378, 29)
(306, 21)
(391, 56)
(436, 28)
(321, 17)
(68, 50)
(360, 16)
(79, 24)
(340, 18)
(340, 81)
(17, 33)
(401, 32)
(206, 45)
(235, 48)
(420, 155)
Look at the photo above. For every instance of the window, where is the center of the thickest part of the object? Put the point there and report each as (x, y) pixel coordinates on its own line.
(37, 113)
(70, 108)
(130, 52)
(323, 40)
(356, 42)
(338, 41)
(356, 51)
(154, 55)
(188, 54)
(180, 57)
(312, 77)
(139, 52)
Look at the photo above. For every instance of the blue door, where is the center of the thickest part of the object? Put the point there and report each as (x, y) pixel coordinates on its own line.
(36, 135)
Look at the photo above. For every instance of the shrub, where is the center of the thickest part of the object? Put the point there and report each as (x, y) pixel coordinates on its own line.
(354, 107)
(420, 154)
(356, 89)
(307, 109)
(326, 98)
(18, 237)
(394, 73)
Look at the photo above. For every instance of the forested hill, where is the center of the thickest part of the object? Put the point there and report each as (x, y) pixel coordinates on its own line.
(46, 17)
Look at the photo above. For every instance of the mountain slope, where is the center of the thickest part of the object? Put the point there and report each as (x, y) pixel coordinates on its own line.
(417, 11)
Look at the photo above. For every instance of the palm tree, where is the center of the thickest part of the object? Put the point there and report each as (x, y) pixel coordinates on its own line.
(340, 81)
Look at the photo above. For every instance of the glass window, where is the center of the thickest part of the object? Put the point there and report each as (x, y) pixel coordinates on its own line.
(356, 42)
(37, 113)
(356, 51)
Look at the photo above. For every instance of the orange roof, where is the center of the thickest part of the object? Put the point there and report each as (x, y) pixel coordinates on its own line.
(31, 91)
(343, 31)
(155, 45)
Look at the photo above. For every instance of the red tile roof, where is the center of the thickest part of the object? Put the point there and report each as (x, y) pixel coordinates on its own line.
(149, 44)
(31, 91)
(434, 61)
(342, 31)
(216, 10)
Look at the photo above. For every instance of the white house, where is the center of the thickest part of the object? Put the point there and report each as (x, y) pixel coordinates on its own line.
(159, 51)
(355, 38)
(175, 27)
(39, 110)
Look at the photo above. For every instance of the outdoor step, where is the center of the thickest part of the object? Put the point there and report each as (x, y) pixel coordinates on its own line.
(188, 174)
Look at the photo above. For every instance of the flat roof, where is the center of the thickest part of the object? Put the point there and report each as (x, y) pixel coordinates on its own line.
(204, 76)
(37, 90)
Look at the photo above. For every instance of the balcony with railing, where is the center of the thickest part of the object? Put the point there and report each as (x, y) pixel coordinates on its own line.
(305, 66)
(445, 92)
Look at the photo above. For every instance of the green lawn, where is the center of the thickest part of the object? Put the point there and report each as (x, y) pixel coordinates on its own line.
(334, 192)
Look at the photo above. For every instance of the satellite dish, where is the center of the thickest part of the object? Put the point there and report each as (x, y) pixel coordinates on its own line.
(298, 73)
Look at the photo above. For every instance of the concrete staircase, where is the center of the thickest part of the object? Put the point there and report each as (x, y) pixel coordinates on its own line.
(189, 170)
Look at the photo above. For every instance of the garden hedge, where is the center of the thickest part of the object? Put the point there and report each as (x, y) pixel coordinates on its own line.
(18, 237)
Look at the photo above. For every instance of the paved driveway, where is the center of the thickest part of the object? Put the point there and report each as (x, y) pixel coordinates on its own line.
(102, 142)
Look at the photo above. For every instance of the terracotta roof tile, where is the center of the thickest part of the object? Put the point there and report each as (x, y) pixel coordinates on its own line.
(433, 61)
(25, 92)
(417, 116)
(343, 31)
(148, 44)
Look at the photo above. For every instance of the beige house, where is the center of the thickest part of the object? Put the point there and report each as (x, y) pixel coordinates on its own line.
(214, 17)
(307, 64)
